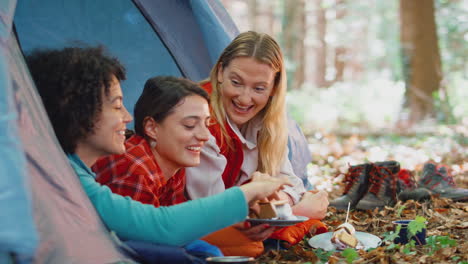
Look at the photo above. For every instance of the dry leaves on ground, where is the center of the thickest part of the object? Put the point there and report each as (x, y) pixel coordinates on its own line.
(446, 219)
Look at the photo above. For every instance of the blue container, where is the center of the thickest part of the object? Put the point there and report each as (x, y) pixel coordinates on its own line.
(420, 237)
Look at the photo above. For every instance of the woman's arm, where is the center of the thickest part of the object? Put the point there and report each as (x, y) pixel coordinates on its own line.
(312, 204)
(174, 225)
(177, 224)
(296, 191)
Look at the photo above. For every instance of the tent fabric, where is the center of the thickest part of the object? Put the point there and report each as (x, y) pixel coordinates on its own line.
(188, 39)
(116, 24)
(216, 25)
(69, 228)
(17, 229)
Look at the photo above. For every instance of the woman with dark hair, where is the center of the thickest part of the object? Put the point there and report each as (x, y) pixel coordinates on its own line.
(80, 88)
(171, 119)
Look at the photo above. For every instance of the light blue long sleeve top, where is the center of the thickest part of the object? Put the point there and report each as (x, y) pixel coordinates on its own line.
(175, 225)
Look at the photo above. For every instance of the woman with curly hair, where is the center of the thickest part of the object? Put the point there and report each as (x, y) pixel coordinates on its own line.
(80, 89)
(247, 87)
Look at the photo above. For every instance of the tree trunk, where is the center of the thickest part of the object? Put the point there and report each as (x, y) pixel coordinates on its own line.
(421, 56)
(294, 32)
(321, 47)
(341, 50)
(299, 75)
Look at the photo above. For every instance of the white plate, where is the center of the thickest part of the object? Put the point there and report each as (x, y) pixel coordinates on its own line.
(273, 222)
(323, 241)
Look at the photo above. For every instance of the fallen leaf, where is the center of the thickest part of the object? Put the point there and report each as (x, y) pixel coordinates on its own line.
(333, 260)
(441, 210)
(448, 251)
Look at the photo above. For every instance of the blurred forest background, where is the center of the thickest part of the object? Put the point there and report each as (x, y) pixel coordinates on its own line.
(372, 80)
(368, 64)
(375, 80)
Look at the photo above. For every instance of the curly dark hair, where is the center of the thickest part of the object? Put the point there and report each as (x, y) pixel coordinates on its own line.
(160, 95)
(70, 82)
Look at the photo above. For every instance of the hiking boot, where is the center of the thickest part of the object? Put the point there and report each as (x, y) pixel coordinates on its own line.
(437, 180)
(383, 186)
(420, 194)
(407, 188)
(406, 180)
(357, 183)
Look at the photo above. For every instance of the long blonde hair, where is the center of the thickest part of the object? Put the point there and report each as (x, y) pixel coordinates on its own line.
(273, 136)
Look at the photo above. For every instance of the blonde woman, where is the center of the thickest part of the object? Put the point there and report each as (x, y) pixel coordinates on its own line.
(247, 88)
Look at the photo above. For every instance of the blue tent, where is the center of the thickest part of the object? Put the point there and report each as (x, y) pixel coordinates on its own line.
(45, 215)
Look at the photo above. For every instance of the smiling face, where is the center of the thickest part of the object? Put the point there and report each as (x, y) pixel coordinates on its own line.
(182, 134)
(108, 135)
(246, 88)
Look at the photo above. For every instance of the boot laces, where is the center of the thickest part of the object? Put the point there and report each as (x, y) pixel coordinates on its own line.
(406, 178)
(351, 176)
(444, 177)
(377, 177)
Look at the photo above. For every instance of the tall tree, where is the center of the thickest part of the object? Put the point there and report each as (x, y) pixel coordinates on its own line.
(420, 51)
(294, 33)
(321, 46)
(340, 50)
(337, 51)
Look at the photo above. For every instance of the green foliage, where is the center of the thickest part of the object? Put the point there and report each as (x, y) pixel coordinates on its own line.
(392, 246)
(392, 235)
(434, 243)
(338, 107)
(443, 106)
(350, 255)
(438, 242)
(409, 249)
(452, 26)
(400, 210)
(323, 255)
(416, 226)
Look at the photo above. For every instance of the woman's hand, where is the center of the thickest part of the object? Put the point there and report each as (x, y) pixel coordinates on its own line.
(263, 186)
(313, 205)
(255, 233)
(284, 196)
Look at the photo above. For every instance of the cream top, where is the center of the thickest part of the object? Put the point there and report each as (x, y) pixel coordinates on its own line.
(206, 179)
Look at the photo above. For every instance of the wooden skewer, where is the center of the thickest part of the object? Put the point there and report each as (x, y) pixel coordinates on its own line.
(347, 213)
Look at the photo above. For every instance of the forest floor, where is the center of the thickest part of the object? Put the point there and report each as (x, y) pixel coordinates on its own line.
(447, 221)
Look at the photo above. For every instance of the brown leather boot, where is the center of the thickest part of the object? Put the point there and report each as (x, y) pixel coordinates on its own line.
(383, 186)
(357, 183)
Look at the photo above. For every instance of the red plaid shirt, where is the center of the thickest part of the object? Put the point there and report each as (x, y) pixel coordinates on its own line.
(136, 174)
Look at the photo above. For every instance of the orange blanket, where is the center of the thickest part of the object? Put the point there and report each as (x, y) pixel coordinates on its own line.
(294, 234)
(232, 242)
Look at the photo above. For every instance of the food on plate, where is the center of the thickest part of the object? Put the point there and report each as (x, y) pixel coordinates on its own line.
(344, 237)
(277, 210)
(267, 210)
(284, 211)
